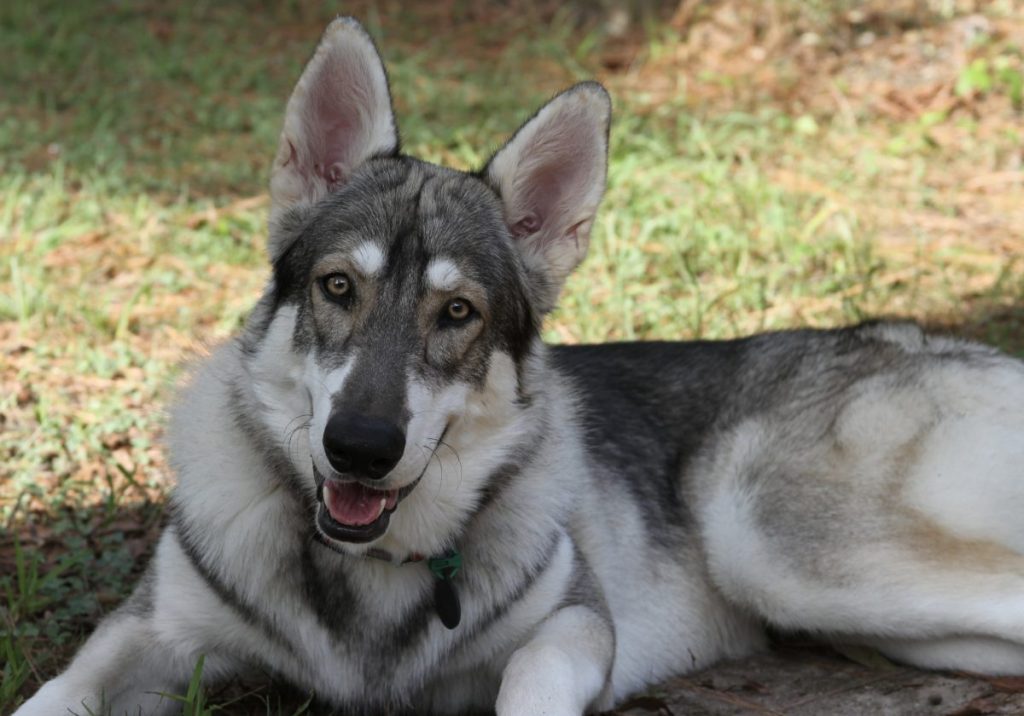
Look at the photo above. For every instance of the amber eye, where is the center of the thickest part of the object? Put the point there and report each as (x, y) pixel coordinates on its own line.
(336, 285)
(458, 309)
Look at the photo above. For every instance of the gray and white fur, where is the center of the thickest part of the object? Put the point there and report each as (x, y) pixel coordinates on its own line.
(625, 512)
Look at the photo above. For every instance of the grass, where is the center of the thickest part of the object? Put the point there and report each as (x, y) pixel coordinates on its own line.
(765, 173)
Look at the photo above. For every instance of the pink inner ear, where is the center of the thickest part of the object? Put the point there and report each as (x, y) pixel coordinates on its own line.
(341, 131)
(334, 127)
(292, 154)
(545, 190)
(529, 224)
(334, 174)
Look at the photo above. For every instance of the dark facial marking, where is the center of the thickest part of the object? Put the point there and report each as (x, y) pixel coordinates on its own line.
(416, 212)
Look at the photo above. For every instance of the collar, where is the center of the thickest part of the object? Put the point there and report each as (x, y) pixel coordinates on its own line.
(443, 567)
(374, 552)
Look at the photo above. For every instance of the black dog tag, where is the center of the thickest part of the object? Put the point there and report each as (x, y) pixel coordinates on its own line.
(446, 603)
(446, 599)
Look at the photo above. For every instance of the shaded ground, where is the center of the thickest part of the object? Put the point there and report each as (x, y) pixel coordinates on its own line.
(808, 681)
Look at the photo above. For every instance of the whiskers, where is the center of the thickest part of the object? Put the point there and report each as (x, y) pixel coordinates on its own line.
(435, 444)
(301, 422)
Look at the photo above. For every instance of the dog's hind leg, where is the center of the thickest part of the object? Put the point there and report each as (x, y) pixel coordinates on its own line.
(966, 611)
(912, 541)
(986, 655)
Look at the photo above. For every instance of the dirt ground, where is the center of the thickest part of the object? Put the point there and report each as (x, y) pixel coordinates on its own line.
(803, 680)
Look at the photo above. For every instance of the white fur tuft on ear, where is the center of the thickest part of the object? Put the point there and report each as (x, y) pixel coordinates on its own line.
(551, 177)
(339, 115)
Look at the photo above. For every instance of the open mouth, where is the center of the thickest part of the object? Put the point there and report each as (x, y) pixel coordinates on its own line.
(353, 512)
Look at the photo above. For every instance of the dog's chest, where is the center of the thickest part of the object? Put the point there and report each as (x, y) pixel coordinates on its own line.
(370, 632)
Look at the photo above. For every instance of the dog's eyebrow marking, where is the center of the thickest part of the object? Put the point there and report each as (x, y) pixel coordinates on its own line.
(368, 258)
(443, 275)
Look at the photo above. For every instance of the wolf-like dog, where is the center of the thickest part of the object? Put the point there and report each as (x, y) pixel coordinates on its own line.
(391, 493)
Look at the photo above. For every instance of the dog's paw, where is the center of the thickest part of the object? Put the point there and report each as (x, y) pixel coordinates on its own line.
(538, 681)
(56, 697)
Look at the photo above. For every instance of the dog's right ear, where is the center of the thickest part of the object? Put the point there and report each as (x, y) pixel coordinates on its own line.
(339, 115)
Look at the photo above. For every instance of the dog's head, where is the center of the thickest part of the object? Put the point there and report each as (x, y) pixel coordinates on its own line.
(407, 297)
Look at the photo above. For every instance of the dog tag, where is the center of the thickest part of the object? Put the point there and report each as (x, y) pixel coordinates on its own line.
(446, 599)
(446, 603)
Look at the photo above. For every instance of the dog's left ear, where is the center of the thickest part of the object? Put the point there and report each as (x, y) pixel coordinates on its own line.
(551, 176)
(339, 115)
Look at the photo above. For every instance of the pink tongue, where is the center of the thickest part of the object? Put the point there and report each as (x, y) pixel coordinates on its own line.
(352, 504)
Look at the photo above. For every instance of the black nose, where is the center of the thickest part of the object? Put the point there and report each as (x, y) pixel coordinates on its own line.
(363, 445)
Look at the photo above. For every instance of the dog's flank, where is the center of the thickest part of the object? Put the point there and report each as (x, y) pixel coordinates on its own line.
(622, 512)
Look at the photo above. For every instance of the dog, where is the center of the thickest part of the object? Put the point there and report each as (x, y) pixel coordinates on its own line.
(391, 493)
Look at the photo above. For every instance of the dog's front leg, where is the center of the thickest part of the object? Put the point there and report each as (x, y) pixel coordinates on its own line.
(124, 668)
(147, 650)
(563, 670)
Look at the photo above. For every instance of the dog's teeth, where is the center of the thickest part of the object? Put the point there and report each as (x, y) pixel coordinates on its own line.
(383, 503)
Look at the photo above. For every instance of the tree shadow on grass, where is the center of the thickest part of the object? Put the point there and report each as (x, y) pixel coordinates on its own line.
(61, 573)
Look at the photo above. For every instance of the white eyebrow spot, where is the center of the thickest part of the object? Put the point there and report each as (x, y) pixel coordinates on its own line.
(443, 275)
(368, 258)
